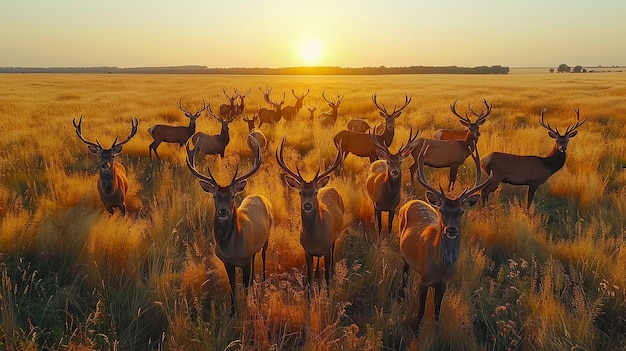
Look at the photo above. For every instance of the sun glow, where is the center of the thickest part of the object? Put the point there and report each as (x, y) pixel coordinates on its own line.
(311, 51)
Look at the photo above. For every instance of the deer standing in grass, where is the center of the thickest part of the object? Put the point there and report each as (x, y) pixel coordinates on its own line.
(328, 118)
(471, 127)
(360, 144)
(214, 144)
(255, 132)
(240, 231)
(321, 211)
(268, 115)
(448, 153)
(430, 236)
(529, 170)
(229, 109)
(385, 179)
(242, 97)
(311, 110)
(290, 112)
(112, 184)
(174, 134)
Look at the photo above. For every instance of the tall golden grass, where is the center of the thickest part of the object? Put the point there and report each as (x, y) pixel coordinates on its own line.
(75, 278)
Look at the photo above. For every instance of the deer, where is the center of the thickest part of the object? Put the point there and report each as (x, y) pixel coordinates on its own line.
(241, 106)
(174, 134)
(242, 231)
(329, 118)
(214, 144)
(471, 127)
(448, 153)
(230, 108)
(289, 112)
(358, 125)
(112, 183)
(321, 210)
(255, 132)
(430, 236)
(360, 144)
(385, 179)
(529, 170)
(268, 115)
(311, 110)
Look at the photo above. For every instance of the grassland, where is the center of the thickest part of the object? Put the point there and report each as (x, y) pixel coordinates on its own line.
(75, 278)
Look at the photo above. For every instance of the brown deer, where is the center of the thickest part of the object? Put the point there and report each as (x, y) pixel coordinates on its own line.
(113, 183)
(290, 112)
(311, 110)
(360, 144)
(255, 132)
(358, 125)
(214, 144)
(240, 232)
(321, 211)
(230, 108)
(430, 236)
(471, 127)
(174, 134)
(268, 115)
(447, 153)
(329, 118)
(529, 170)
(241, 106)
(385, 178)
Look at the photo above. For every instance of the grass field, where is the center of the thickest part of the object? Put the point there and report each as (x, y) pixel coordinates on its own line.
(75, 278)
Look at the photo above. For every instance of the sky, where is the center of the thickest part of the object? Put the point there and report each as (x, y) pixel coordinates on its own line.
(293, 33)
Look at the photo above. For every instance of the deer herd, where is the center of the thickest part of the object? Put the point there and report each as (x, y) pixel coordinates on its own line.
(429, 230)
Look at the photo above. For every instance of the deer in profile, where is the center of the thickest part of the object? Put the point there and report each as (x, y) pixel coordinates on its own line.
(329, 118)
(358, 125)
(385, 179)
(321, 211)
(529, 170)
(112, 184)
(471, 127)
(290, 112)
(255, 132)
(174, 134)
(430, 236)
(230, 108)
(214, 144)
(448, 153)
(360, 144)
(242, 231)
(270, 116)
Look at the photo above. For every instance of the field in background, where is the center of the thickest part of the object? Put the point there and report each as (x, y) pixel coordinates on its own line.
(74, 277)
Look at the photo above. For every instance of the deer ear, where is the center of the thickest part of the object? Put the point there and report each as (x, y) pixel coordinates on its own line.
(93, 149)
(239, 186)
(552, 135)
(464, 123)
(382, 114)
(291, 181)
(433, 198)
(207, 186)
(471, 201)
(572, 134)
(381, 154)
(322, 182)
(117, 150)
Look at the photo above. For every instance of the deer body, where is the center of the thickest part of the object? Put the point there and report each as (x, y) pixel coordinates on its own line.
(174, 134)
(289, 112)
(214, 144)
(358, 125)
(328, 118)
(268, 115)
(450, 134)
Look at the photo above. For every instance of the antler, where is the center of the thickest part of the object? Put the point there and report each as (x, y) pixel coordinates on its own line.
(453, 109)
(405, 149)
(420, 172)
(407, 101)
(332, 167)
(79, 131)
(281, 162)
(333, 101)
(266, 94)
(133, 130)
(477, 185)
(188, 113)
(577, 124)
(383, 108)
(241, 96)
(483, 115)
(191, 155)
(232, 116)
(548, 126)
(256, 149)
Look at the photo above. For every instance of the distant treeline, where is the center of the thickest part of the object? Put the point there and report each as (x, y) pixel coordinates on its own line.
(323, 70)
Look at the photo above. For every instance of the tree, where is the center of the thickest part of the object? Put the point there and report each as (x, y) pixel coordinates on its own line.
(578, 69)
(563, 68)
(551, 70)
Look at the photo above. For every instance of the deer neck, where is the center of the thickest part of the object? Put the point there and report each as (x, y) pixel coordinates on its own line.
(392, 187)
(225, 230)
(447, 250)
(224, 134)
(555, 160)
(191, 128)
(311, 220)
(387, 135)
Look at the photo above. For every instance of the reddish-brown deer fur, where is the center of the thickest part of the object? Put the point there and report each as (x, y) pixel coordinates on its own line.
(358, 125)
(529, 170)
(255, 132)
(289, 112)
(360, 144)
(385, 178)
(328, 118)
(471, 127)
(214, 144)
(230, 108)
(174, 134)
(240, 232)
(448, 153)
(430, 236)
(311, 111)
(242, 97)
(321, 210)
(112, 184)
(268, 115)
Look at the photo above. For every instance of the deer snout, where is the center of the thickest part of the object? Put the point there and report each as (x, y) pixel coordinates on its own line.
(223, 213)
(451, 232)
(307, 206)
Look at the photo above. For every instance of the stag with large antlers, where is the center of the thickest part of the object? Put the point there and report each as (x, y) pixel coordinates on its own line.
(430, 236)
(448, 153)
(113, 183)
(175, 134)
(471, 127)
(385, 178)
(268, 115)
(240, 232)
(321, 212)
(289, 112)
(229, 109)
(529, 170)
(360, 144)
(242, 97)
(214, 144)
(329, 118)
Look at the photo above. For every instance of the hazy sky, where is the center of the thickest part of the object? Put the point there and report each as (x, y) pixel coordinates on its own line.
(346, 33)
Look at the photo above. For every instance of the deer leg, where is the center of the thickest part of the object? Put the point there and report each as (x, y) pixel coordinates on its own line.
(230, 270)
(440, 289)
(453, 173)
(379, 218)
(317, 267)
(488, 189)
(531, 194)
(423, 292)
(153, 146)
(412, 170)
(328, 262)
(263, 254)
(405, 277)
(390, 216)
(123, 209)
(309, 267)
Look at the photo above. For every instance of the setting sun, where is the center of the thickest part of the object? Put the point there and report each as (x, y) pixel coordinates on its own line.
(311, 51)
